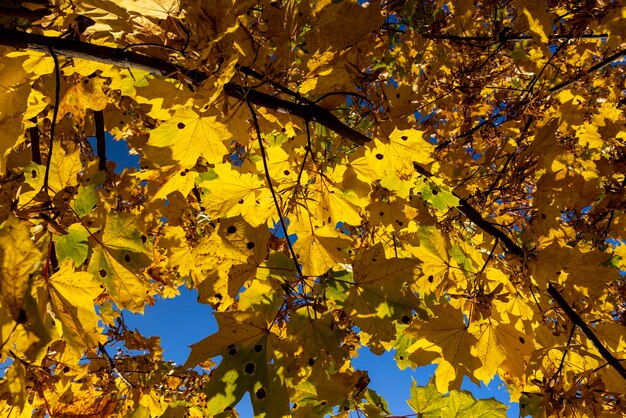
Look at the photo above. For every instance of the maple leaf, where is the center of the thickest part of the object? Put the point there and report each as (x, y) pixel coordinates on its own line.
(189, 136)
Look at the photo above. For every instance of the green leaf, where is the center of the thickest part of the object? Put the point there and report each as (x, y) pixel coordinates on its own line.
(73, 245)
(428, 402)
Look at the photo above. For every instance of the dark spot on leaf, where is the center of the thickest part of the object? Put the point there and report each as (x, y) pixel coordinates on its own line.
(323, 403)
(182, 173)
(86, 81)
(250, 245)
(232, 350)
(258, 348)
(401, 357)
(249, 368)
(379, 156)
(404, 137)
(435, 192)
(180, 125)
(127, 258)
(103, 273)
(260, 394)
(286, 172)
(381, 213)
(522, 405)
(397, 95)
(66, 369)
(543, 216)
(558, 272)
(231, 229)
(311, 361)
(144, 239)
(349, 251)
(406, 319)
(346, 408)
(430, 279)
(33, 173)
(218, 296)
(101, 286)
(338, 248)
(240, 201)
(522, 340)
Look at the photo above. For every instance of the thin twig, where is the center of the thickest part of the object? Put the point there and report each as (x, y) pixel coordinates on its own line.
(112, 365)
(55, 112)
(281, 219)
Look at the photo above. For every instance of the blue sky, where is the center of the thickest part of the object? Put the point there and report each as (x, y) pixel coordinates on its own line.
(182, 321)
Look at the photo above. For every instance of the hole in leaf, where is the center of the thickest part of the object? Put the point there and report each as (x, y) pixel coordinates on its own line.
(240, 201)
(33, 173)
(218, 296)
(543, 216)
(66, 369)
(404, 137)
(286, 172)
(406, 319)
(231, 229)
(180, 125)
(250, 245)
(311, 361)
(102, 273)
(144, 239)
(522, 340)
(182, 173)
(381, 213)
(379, 156)
(249, 368)
(258, 348)
(435, 192)
(323, 403)
(260, 394)
(127, 258)
(232, 350)
(430, 279)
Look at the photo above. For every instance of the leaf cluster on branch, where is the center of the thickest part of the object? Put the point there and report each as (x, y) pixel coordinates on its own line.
(451, 176)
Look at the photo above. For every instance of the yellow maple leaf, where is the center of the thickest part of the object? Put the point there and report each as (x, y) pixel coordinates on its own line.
(189, 136)
(71, 296)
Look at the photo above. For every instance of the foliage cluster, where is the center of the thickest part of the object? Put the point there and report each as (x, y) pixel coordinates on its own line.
(453, 172)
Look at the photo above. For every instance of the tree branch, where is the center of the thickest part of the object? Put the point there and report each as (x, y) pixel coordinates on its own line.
(577, 320)
(101, 149)
(126, 59)
(474, 216)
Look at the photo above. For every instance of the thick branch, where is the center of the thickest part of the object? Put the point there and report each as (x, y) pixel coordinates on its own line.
(101, 149)
(510, 38)
(604, 63)
(474, 216)
(127, 59)
(577, 320)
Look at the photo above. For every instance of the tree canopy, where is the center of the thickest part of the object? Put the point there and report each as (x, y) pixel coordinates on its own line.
(440, 179)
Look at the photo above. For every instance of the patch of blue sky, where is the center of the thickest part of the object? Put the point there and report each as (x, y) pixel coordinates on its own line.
(117, 151)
